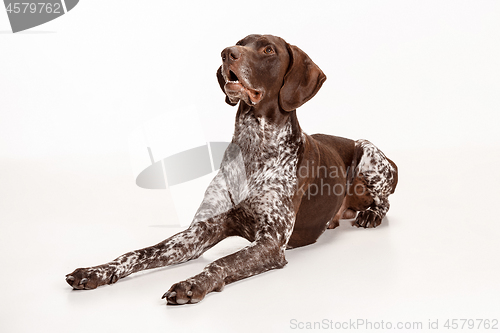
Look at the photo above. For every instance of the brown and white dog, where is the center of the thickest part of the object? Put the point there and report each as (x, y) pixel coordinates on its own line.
(277, 187)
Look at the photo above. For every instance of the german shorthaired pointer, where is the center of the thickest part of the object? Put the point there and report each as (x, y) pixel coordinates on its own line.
(277, 187)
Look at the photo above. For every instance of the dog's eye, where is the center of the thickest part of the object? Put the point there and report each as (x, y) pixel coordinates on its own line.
(268, 50)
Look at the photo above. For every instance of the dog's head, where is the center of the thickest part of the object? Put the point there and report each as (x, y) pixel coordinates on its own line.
(266, 68)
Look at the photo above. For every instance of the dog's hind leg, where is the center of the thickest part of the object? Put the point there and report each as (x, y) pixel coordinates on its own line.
(378, 176)
(372, 216)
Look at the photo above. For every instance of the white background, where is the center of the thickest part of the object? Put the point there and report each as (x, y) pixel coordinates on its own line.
(420, 79)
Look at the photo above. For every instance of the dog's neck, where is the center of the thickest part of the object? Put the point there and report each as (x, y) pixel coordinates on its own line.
(266, 136)
(271, 114)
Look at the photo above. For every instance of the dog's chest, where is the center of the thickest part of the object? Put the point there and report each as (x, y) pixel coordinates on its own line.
(269, 155)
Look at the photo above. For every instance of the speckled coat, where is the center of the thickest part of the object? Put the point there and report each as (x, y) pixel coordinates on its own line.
(277, 186)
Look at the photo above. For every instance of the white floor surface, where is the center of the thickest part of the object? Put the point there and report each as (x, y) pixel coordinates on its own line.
(435, 257)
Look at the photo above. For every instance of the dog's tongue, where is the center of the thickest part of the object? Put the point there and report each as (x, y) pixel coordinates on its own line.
(236, 89)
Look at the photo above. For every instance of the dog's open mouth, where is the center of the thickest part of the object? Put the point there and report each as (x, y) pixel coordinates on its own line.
(236, 90)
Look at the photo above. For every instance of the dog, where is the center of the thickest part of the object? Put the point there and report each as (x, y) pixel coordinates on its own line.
(277, 186)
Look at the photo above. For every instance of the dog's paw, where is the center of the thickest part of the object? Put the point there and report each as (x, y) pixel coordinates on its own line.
(190, 291)
(91, 278)
(367, 219)
(333, 224)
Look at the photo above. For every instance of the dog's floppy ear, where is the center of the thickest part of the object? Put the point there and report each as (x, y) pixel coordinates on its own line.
(302, 80)
(222, 83)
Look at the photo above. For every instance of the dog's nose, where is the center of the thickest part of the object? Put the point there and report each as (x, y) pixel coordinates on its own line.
(230, 54)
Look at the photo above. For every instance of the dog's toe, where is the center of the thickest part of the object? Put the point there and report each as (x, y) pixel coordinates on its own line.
(367, 219)
(190, 291)
(333, 224)
(89, 278)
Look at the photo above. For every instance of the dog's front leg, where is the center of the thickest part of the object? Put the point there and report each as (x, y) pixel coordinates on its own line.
(186, 245)
(265, 253)
(208, 228)
(260, 256)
